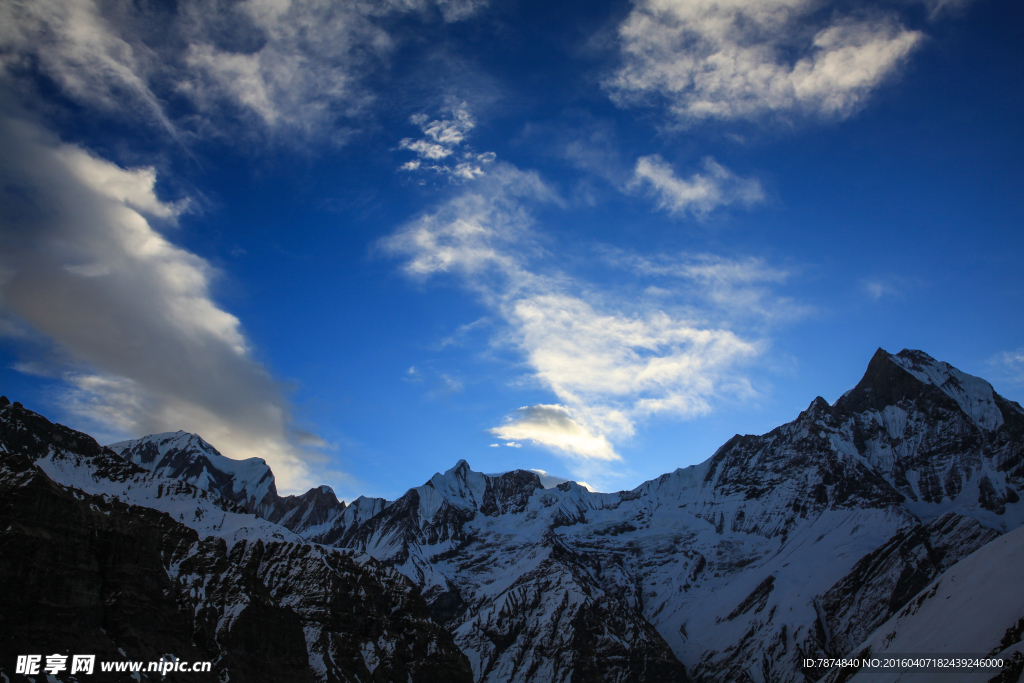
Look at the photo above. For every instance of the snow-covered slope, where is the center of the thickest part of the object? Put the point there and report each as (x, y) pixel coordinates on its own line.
(973, 610)
(75, 460)
(248, 483)
(180, 455)
(974, 395)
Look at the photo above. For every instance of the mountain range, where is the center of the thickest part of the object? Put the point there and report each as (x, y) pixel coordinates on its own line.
(871, 525)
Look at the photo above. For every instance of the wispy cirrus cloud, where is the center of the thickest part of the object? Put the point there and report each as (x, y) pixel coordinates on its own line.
(699, 194)
(609, 358)
(450, 10)
(939, 8)
(1009, 365)
(745, 59)
(142, 347)
(84, 51)
(288, 67)
(441, 136)
(740, 289)
(880, 289)
(891, 287)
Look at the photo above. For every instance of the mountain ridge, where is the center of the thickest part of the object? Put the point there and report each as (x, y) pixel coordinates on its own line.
(794, 544)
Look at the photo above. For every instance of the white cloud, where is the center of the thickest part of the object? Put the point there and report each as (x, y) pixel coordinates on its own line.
(1009, 365)
(480, 233)
(451, 10)
(877, 289)
(722, 288)
(553, 426)
(425, 150)
(447, 132)
(938, 8)
(444, 139)
(744, 59)
(73, 43)
(700, 193)
(292, 66)
(891, 287)
(623, 365)
(609, 358)
(149, 349)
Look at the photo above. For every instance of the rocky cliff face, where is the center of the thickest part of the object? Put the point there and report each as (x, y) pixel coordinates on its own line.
(96, 575)
(802, 542)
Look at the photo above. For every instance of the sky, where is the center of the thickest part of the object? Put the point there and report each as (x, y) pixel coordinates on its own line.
(365, 239)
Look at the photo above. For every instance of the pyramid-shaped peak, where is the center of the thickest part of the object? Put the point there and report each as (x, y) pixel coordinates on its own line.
(819, 403)
(459, 473)
(460, 467)
(458, 476)
(891, 378)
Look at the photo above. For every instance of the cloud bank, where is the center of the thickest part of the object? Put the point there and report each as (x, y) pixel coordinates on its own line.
(145, 348)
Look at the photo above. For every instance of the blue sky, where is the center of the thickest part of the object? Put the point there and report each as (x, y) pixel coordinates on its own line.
(364, 240)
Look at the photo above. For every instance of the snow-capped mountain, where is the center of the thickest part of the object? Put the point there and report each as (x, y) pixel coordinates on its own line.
(103, 557)
(76, 460)
(180, 455)
(800, 543)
